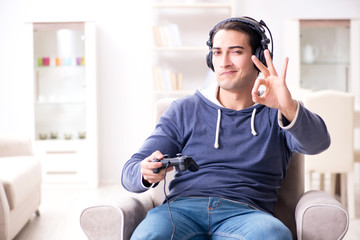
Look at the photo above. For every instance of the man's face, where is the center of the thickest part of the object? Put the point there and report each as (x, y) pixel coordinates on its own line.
(232, 62)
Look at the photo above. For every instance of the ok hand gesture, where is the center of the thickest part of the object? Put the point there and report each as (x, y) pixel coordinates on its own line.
(276, 95)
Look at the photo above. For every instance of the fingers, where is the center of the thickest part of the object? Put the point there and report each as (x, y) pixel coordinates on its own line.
(270, 70)
(147, 167)
(269, 63)
(266, 71)
(260, 66)
(275, 85)
(284, 69)
(255, 91)
(155, 155)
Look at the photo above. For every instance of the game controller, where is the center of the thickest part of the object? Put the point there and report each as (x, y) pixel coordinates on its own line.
(180, 162)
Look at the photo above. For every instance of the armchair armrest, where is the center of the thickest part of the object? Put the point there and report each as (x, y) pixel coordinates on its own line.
(319, 216)
(4, 213)
(107, 220)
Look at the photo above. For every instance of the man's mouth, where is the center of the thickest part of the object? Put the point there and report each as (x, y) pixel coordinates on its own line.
(225, 73)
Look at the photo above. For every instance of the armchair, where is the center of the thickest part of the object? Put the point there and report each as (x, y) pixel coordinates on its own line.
(20, 185)
(337, 110)
(310, 215)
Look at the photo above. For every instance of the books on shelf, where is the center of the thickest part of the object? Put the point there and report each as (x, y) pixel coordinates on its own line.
(167, 35)
(167, 80)
(59, 61)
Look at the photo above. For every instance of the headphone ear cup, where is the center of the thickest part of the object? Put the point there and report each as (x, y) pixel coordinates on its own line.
(209, 61)
(259, 53)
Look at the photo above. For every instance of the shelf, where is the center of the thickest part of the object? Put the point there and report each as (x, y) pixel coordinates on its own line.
(181, 49)
(64, 98)
(331, 64)
(61, 103)
(327, 23)
(56, 67)
(192, 5)
(60, 143)
(180, 30)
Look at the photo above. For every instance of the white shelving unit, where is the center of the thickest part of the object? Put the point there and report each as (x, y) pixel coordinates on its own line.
(180, 32)
(325, 54)
(65, 102)
(331, 62)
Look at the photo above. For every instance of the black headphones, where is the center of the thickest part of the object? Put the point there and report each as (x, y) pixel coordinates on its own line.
(253, 24)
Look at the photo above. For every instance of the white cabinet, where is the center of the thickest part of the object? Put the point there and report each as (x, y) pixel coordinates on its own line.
(63, 161)
(325, 54)
(65, 109)
(180, 31)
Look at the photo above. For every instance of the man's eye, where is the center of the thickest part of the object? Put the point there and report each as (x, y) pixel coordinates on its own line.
(216, 52)
(237, 52)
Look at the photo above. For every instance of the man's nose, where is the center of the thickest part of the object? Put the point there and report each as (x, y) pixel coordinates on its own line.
(225, 60)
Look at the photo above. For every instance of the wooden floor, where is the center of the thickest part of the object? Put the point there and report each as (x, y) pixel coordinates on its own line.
(61, 207)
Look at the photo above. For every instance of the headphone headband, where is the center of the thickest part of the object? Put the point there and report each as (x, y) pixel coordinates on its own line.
(258, 27)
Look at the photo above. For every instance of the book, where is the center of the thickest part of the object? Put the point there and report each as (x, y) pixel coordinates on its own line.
(167, 80)
(167, 35)
(157, 36)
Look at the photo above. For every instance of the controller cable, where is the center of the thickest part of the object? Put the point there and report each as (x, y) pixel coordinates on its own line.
(168, 203)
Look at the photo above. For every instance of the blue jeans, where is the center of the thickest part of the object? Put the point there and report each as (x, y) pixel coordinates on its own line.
(210, 218)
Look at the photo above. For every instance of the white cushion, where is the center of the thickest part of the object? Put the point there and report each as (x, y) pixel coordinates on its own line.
(19, 175)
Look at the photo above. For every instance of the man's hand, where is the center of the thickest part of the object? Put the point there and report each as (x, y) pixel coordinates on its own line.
(276, 95)
(147, 168)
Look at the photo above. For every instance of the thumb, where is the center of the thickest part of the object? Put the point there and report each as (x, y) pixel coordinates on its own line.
(255, 93)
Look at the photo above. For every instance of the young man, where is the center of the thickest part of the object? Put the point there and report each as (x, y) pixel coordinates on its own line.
(241, 140)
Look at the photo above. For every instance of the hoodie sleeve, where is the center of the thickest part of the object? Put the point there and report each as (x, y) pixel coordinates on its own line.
(166, 138)
(307, 133)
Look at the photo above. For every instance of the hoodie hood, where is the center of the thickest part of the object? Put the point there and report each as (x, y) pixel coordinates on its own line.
(209, 95)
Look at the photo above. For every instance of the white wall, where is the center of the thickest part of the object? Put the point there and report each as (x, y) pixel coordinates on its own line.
(124, 71)
(123, 41)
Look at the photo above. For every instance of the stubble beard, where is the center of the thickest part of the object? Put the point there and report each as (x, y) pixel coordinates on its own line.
(237, 82)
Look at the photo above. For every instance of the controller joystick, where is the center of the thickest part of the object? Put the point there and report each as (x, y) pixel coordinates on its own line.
(180, 162)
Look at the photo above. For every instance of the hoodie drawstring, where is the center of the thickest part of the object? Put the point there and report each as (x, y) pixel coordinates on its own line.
(216, 144)
(253, 122)
(253, 132)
